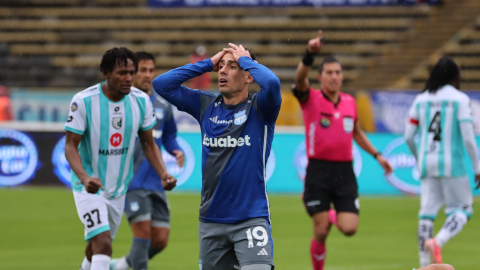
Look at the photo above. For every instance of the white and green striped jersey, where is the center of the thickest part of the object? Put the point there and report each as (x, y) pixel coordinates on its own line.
(438, 115)
(109, 131)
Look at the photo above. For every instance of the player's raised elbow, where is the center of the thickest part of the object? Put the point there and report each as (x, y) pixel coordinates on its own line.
(160, 83)
(274, 83)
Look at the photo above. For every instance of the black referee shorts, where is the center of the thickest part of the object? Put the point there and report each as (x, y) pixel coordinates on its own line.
(329, 182)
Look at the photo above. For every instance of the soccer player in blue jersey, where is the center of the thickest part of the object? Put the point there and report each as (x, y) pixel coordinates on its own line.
(237, 132)
(146, 206)
(100, 137)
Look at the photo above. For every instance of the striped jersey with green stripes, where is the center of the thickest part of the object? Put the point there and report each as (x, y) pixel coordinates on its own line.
(108, 130)
(441, 151)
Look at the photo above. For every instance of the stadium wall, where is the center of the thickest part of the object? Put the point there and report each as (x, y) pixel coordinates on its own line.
(33, 154)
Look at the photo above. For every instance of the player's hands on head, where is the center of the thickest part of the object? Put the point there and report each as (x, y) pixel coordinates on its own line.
(92, 185)
(180, 157)
(237, 51)
(216, 60)
(315, 44)
(477, 180)
(385, 165)
(168, 182)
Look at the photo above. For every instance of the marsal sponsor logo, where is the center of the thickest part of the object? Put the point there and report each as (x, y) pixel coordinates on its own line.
(18, 158)
(229, 141)
(405, 176)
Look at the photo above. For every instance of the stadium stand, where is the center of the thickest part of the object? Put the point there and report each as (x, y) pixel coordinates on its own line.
(50, 44)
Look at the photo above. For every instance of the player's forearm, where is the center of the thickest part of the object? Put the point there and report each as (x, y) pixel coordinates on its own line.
(171, 80)
(154, 157)
(363, 141)
(73, 158)
(270, 95)
(301, 77)
(410, 131)
(468, 136)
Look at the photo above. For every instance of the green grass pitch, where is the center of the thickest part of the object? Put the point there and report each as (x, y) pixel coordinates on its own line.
(40, 229)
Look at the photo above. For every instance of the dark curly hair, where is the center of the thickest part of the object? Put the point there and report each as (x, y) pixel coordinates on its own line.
(117, 55)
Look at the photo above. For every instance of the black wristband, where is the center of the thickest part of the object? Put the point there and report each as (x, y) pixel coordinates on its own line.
(308, 58)
(377, 154)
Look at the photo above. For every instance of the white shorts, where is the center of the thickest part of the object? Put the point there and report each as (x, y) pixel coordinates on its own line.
(98, 213)
(453, 192)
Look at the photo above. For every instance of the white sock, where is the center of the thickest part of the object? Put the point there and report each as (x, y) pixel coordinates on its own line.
(100, 262)
(425, 231)
(452, 226)
(122, 264)
(86, 264)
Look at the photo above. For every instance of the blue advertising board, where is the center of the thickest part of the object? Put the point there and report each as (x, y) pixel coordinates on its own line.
(38, 158)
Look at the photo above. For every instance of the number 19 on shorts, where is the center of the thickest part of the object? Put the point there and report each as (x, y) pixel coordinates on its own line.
(259, 234)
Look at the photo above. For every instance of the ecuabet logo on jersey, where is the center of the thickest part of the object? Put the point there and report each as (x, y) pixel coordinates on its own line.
(300, 160)
(117, 122)
(405, 176)
(116, 139)
(240, 117)
(74, 106)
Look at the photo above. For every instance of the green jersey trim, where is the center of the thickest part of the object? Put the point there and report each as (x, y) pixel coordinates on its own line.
(96, 232)
(126, 142)
(76, 131)
(104, 135)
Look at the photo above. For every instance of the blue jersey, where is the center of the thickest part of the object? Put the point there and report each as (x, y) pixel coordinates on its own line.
(164, 132)
(236, 140)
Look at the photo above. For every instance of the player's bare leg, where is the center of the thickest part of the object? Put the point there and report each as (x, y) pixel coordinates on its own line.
(101, 247)
(321, 228)
(159, 240)
(347, 223)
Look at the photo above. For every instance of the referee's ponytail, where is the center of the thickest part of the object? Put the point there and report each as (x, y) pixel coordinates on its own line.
(446, 71)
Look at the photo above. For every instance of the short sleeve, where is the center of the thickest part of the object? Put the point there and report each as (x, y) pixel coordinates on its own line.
(149, 119)
(464, 110)
(413, 113)
(77, 116)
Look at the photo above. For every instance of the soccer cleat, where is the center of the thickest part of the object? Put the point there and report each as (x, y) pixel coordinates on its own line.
(332, 217)
(434, 250)
(113, 264)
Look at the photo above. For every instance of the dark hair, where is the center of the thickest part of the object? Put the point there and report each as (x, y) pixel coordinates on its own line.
(117, 55)
(145, 56)
(446, 71)
(327, 60)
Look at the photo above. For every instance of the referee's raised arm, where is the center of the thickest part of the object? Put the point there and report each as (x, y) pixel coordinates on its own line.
(302, 84)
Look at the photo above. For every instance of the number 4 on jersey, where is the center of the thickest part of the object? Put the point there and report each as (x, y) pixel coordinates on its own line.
(435, 127)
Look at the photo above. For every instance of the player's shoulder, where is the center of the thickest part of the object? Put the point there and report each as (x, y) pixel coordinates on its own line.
(138, 93)
(88, 92)
(459, 95)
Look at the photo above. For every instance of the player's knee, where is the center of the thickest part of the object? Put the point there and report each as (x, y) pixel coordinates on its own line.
(102, 244)
(320, 234)
(160, 243)
(448, 267)
(347, 229)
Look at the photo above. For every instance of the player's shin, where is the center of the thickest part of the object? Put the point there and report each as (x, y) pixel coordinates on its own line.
(452, 226)
(318, 253)
(425, 231)
(138, 256)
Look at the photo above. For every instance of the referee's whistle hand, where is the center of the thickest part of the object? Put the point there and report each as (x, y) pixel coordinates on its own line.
(93, 185)
(385, 165)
